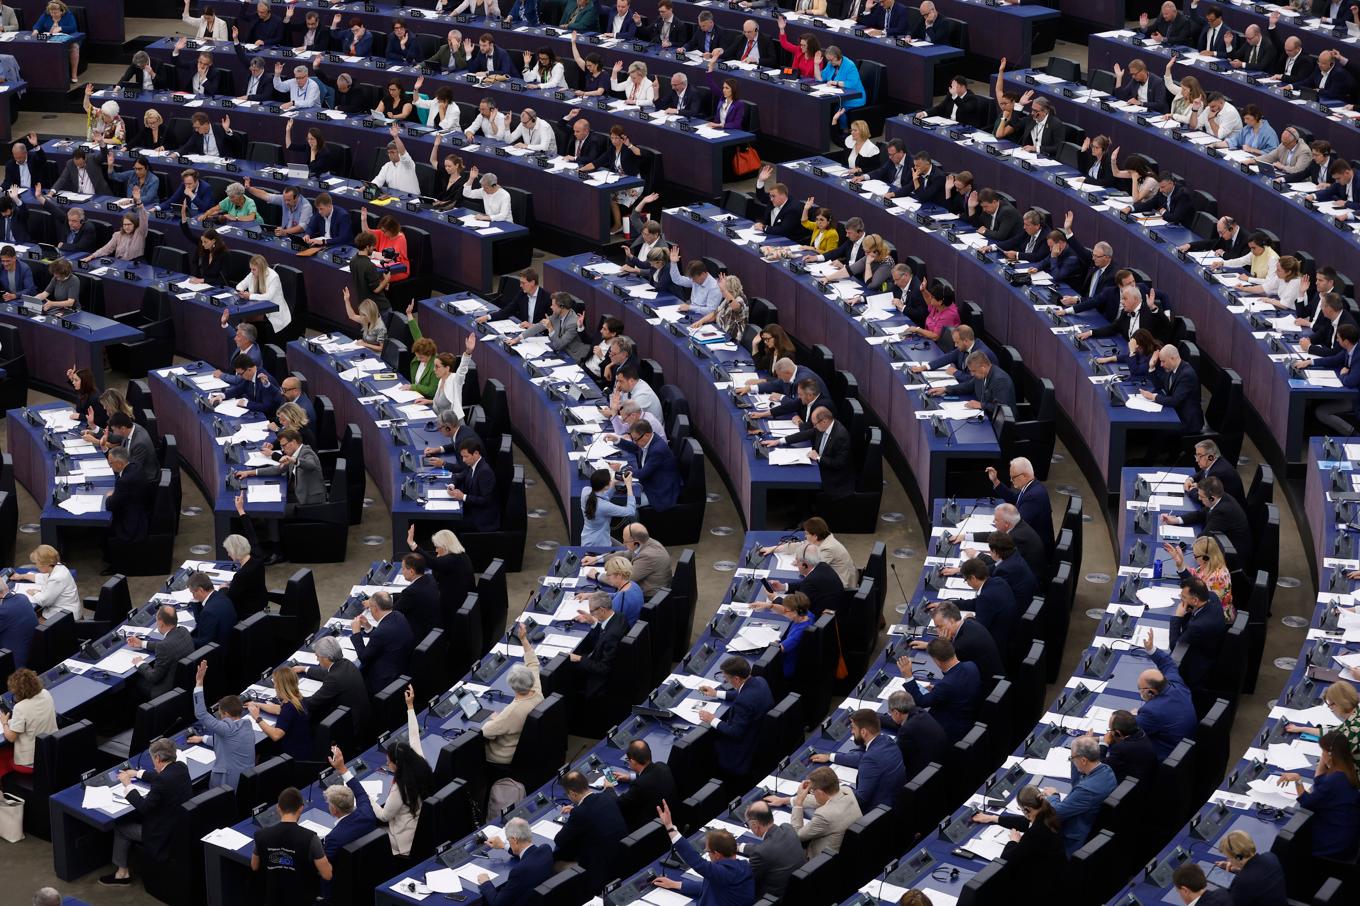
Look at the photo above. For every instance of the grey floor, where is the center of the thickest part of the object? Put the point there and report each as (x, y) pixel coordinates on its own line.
(27, 866)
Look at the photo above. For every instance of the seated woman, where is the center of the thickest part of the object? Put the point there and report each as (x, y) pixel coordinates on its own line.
(730, 111)
(636, 90)
(594, 80)
(769, 346)
(207, 263)
(548, 74)
(247, 588)
(1142, 358)
(797, 607)
(863, 149)
(443, 113)
(322, 159)
(129, 243)
(825, 236)
(394, 105)
(87, 397)
(63, 290)
(805, 53)
(423, 351)
(151, 135)
(624, 158)
(34, 714)
(56, 593)
(1211, 568)
(1035, 856)
(450, 178)
(388, 235)
(599, 511)
(263, 282)
(628, 597)
(873, 268)
(373, 332)
(140, 176)
(291, 727)
(237, 207)
(110, 401)
(449, 562)
(291, 415)
(942, 313)
(448, 393)
(502, 730)
(733, 312)
(103, 125)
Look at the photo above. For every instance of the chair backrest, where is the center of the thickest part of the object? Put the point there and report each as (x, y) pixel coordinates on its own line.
(263, 783)
(542, 743)
(495, 603)
(444, 815)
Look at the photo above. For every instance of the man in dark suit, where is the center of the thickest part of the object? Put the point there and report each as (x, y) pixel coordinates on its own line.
(1213, 36)
(778, 854)
(27, 163)
(1139, 87)
(1177, 386)
(205, 138)
(955, 361)
(158, 818)
(748, 702)
(456, 431)
(352, 810)
(1027, 493)
(706, 38)
(987, 384)
(584, 146)
(1292, 64)
(953, 699)
(530, 865)
(1254, 53)
(961, 105)
(680, 98)
(385, 650)
(124, 432)
(330, 223)
(920, 738)
(1134, 314)
(1321, 340)
(214, 614)
(258, 391)
(1330, 79)
(1100, 269)
(259, 85)
(342, 685)
(971, 640)
(1171, 28)
(993, 602)
(998, 221)
(528, 305)
(819, 581)
(18, 623)
(657, 468)
(1229, 240)
(1193, 887)
(490, 58)
(784, 219)
(195, 72)
(927, 180)
(1127, 750)
(1028, 244)
(1221, 515)
(82, 175)
(1197, 631)
(127, 503)
(665, 29)
(419, 601)
(650, 784)
(291, 388)
(830, 451)
(1062, 263)
(1340, 191)
(1006, 519)
(309, 34)
(1011, 568)
(592, 832)
(1209, 462)
(877, 759)
(476, 489)
(1044, 133)
(593, 659)
(931, 26)
(1171, 202)
(157, 676)
(893, 171)
(142, 73)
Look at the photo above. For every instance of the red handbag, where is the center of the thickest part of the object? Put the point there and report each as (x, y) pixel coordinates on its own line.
(746, 161)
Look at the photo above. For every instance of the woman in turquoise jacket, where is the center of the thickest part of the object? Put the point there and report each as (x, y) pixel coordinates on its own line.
(836, 70)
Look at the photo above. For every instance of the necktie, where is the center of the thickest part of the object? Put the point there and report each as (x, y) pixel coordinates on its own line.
(1095, 280)
(747, 52)
(579, 143)
(642, 456)
(1029, 246)
(1252, 58)
(821, 446)
(998, 211)
(1213, 36)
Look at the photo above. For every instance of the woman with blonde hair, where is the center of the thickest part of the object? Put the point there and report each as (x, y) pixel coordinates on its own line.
(34, 713)
(291, 415)
(1283, 286)
(628, 598)
(111, 401)
(863, 150)
(1260, 875)
(373, 332)
(1342, 699)
(291, 726)
(450, 564)
(874, 266)
(1210, 567)
(733, 312)
(151, 135)
(58, 20)
(56, 593)
(262, 282)
(637, 89)
(1183, 95)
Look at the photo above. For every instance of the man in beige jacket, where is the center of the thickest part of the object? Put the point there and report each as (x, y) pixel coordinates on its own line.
(836, 810)
(829, 550)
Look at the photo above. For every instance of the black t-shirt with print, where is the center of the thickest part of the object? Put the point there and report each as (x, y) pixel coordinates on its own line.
(288, 853)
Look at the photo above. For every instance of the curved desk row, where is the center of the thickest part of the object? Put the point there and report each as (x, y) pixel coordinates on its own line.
(45, 63)
(696, 370)
(50, 462)
(55, 342)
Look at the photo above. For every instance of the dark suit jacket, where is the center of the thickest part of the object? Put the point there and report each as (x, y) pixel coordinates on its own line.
(1217, 44)
(1033, 504)
(975, 643)
(1032, 548)
(1340, 84)
(1008, 223)
(1066, 268)
(1265, 55)
(639, 799)
(23, 284)
(1133, 757)
(592, 147)
(881, 773)
(900, 183)
(354, 825)
(1324, 334)
(1304, 65)
(736, 726)
(341, 233)
(971, 110)
(837, 469)
(921, 740)
(261, 395)
(1181, 392)
(501, 61)
(931, 189)
(958, 355)
(789, 222)
(159, 810)
(1083, 284)
(157, 676)
(953, 700)
(248, 591)
(1175, 209)
(822, 586)
(651, 31)
(700, 41)
(692, 105)
(940, 32)
(774, 859)
(227, 145)
(128, 504)
(420, 604)
(69, 181)
(18, 623)
(997, 389)
(1180, 31)
(384, 651)
(590, 837)
(996, 609)
(517, 307)
(1260, 882)
(37, 164)
(527, 870)
(629, 164)
(343, 685)
(163, 80)
(659, 472)
(321, 41)
(481, 509)
(454, 575)
(213, 620)
(1027, 251)
(1156, 92)
(1054, 134)
(597, 651)
(1225, 518)
(1235, 249)
(187, 67)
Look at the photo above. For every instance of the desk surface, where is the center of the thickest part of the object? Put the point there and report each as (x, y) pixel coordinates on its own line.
(54, 341)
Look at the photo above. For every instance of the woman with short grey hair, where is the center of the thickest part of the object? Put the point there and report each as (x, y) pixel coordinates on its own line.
(502, 730)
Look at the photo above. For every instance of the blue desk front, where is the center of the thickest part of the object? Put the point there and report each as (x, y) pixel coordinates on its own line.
(55, 343)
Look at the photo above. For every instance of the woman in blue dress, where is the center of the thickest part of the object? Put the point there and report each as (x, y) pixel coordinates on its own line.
(599, 511)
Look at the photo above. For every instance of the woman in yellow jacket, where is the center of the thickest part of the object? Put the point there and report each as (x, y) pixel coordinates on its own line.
(825, 236)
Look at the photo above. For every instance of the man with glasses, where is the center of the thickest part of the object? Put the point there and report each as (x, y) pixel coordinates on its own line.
(1199, 625)
(1221, 515)
(651, 561)
(593, 659)
(726, 879)
(778, 854)
(1028, 495)
(1209, 461)
(1167, 714)
(452, 427)
(256, 389)
(292, 393)
(830, 451)
(1092, 781)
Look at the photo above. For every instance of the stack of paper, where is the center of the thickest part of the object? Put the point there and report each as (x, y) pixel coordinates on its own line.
(227, 838)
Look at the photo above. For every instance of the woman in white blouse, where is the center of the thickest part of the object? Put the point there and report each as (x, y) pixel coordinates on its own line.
(1142, 181)
(448, 393)
(637, 89)
(209, 26)
(444, 114)
(533, 133)
(57, 592)
(1183, 94)
(495, 200)
(1283, 286)
(263, 282)
(862, 147)
(548, 73)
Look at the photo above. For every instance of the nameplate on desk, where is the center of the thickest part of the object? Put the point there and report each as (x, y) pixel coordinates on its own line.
(922, 219)
(464, 19)
(130, 92)
(232, 168)
(501, 152)
(992, 150)
(1126, 216)
(1279, 185)
(725, 67)
(1340, 224)
(413, 206)
(804, 87)
(860, 31)
(273, 109)
(1067, 92)
(901, 41)
(415, 14)
(686, 127)
(112, 206)
(516, 86)
(596, 39)
(226, 104)
(729, 232)
(695, 216)
(34, 255)
(1208, 276)
(1156, 237)
(603, 103)
(547, 32)
(1029, 79)
(296, 243)
(981, 256)
(1309, 204)
(129, 275)
(583, 177)
(82, 264)
(287, 53)
(369, 192)
(177, 99)
(1027, 165)
(1185, 257)
(765, 76)
(958, 133)
(543, 164)
(43, 36)
(370, 7)
(1213, 152)
(1018, 278)
(428, 69)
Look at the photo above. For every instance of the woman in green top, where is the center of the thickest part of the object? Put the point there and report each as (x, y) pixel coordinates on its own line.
(423, 349)
(581, 17)
(1344, 702)
(237, 206)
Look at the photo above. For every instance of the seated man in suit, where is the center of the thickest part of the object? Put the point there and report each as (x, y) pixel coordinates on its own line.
(1292, 64)
(383, 642)
(1140, 87)
(878, 760)
(256, 389)
(342, 685)
(1229, 240)
(1220, 514)
(330, 223)
(1330, 79)
(1199, 627)
(142, 73)
(1044, 133)
(907, 295)
(476, 488)
(352, 810)
(778, 854)
(1332, 314)
(15, 277)
(127, 504)
(931, 26)
(1254, 53)
(993, 602)
(196, 72)
(1192, 886)
(593, 659)
(1136, 312)
(1167, 714)
(1209, 461)
(650, 783)
(419, 600)
(1178, 387)
(960, 104)
(1127, 749)
(657, 468)
(490, 58)
(680, 99)
(18, 623)
(1171, 202)
(1340, 192)
(82, 175)
(1026, 245)
(1171, 28)
(27, 163)
(819, 581)
(1341, 415)
(1213, 38)
(1092, 782)
(207, 139)
(1027, 493)
(998, 221)
(124, 432)
(158, 817)
(726, 879)
(953, 700)
(987, 384)
(784, 219)
(259, 85)
(747, 703)
(1062, 262)
(892, 171)
(836, 808)
(920, 738)
(927, 183)
(306, 483)
(530, 865)
(972, 641)
(592, 832)
(1100, 275)
(665, 29)
(830, 451)
(213, 612)
(706, 39)
(157, 676)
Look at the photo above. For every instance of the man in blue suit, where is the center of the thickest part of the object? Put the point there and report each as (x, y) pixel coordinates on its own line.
(1340, 416)
(476, 488)
(593, 830)
(256, 389)
(727, 880)
(1011, 568)
(214, 613)
(988, 385)
(1029, 496)
(1062, 263)
(15, 277)
(530, 866)
(1028, 244)
(1178, 387)
(1171, 202)
(1092, 782)
(385, 650)
(994, 602)
(351, 808)
(879, 760)
(18, 622)
(1200, 627)
(896, 20)
(953, 700)
(490, 58)
(749, 701)
(329, 224)
(618, 20)
(1167, 714)
(1330, 80)
(954, 361)
(657, 468)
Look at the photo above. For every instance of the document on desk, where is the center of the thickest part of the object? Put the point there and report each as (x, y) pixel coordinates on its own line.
(231, 408)
(1317, 377)
(227, 838)
(990, 842)
(1141, 403)
(790, 456)
(1267, 791)
(1057, 763)
(659, 896)
(688, 709)
(81, 504)
(264, 493)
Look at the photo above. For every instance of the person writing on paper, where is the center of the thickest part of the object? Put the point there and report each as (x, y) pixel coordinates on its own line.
(1342, 699)
(157, 676)
(262, 282)
(599, 511)
(291, 725)
(1034, 856)
(291, 856)
(156, 823)
(730, 316)
(1260, 877)
(33, 714)
(56, 592)
(726, 879)
(1334, 799)
(561, 328)
(530, 865)
(830, 451)
(876, 758)
(502, 729)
